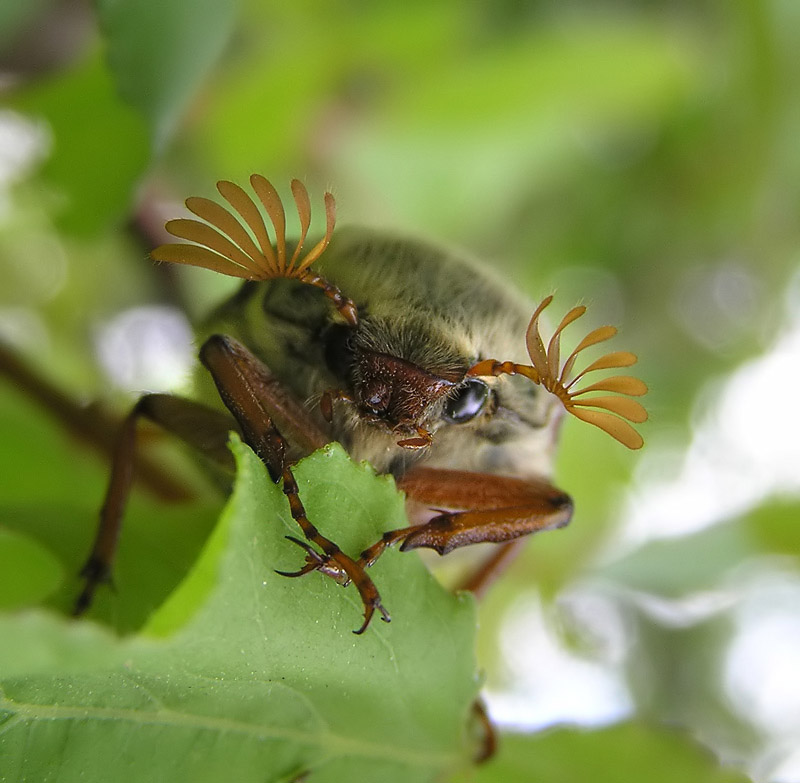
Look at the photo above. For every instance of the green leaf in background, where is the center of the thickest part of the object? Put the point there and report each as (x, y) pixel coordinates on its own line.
(249, 676)
(50, 499)
(39, 644)
(776, 526)
(160, 52)
(514, 112)
(30, 572)
(99, 145)
(675, 567)
(624, 753)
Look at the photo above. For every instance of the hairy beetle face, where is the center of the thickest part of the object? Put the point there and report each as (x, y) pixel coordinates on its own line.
(395, 391)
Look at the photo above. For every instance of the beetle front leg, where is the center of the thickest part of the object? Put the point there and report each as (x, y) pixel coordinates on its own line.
(333, 562)
(485, 508)
(254, 397)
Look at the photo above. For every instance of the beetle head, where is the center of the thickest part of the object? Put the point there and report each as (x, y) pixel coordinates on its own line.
(396, 392)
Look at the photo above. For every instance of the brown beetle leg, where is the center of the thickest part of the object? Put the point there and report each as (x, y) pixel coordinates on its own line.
(344, 305)
(314, 561)
(497, 509)
(247, 388)
(328, 398)
(422, 440)
(483, 577)
(203, 428)
(488, 736)
(335, 563)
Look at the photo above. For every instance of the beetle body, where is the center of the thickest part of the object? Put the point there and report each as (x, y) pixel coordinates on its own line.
(426, 315)
(387, 345)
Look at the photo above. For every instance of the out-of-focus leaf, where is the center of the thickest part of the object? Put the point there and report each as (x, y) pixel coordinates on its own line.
(52, 495)
(259, 677)
(29, 572)
(679, 566)
(99, 145)
(158, 546)
(40, 644)
(495, 123)
(619, 754)
(698, 697)
(38, 453)
(775, 527)
(161, 52)
(273, 103)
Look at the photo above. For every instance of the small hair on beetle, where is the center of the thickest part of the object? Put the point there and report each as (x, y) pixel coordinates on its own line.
(616, 409)
(224, 244)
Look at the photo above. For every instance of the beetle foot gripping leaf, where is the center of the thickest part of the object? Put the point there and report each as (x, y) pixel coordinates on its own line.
(224, 244)
(611, 412)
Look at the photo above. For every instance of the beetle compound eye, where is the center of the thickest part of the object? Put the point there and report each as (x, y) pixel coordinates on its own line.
(467, 402)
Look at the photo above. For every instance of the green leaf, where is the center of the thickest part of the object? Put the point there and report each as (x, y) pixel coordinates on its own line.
(36, 643)
(30, 572)
(160, 52)
(158, 544)
(700, 561)
(619, 754)
(675, 567)
(775, 528)
(249, 676)
(99, 145)
(507, 117)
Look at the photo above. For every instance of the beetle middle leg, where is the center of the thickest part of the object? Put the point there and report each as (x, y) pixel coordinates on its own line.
(203, 428)
(256, 399)
(497, 509)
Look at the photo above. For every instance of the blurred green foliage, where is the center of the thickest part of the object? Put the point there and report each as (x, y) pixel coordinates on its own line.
(620, 753)
(641, 157)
